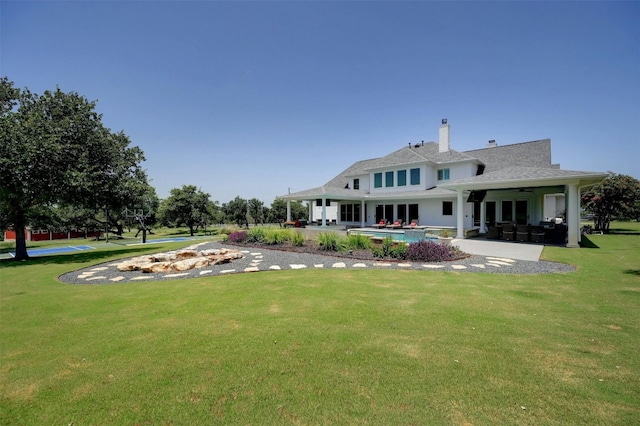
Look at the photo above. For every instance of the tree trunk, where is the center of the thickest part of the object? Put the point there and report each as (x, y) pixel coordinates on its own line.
(21, 242)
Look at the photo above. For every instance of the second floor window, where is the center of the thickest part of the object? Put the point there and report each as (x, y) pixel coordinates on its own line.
(402, 178)
(443, 174)
(388, 178)
(356, 184)
(415, 176)
(377, 180)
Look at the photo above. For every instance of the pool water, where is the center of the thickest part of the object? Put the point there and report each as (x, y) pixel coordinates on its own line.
(409, 236)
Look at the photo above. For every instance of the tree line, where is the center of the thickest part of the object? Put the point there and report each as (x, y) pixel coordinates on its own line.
(61, 168)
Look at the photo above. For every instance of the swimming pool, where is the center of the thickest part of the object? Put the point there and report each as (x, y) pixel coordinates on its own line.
(405, 235)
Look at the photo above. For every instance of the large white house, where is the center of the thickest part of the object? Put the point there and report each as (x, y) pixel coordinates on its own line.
(441, 187)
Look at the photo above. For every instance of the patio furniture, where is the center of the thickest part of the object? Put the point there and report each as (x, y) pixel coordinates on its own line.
(559, 234)
(414, 225)
(380, 224)
(508, 232)
(522, 233)
(494, 233)
(537, 234)
(396, 225)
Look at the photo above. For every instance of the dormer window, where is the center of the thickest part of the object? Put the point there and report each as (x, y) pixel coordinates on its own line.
(443, 174)
(356, 184)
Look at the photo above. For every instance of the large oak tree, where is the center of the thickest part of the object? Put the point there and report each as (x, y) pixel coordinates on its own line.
(54, 149)
(188, 206)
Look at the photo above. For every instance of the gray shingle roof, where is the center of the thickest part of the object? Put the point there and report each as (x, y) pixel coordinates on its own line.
(427, 152)
(518, 175)
(331, 192)
(526, 154)
(521, 162)
(357, 168)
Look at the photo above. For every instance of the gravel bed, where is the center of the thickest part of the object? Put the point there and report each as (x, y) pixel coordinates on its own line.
(261, 259)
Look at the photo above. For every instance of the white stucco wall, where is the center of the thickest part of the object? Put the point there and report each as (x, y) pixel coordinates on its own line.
(553, 205)
(331, 212)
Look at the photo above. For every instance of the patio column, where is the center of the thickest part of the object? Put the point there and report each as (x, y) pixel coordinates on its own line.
(288, 210)
(362, 217)
(573, 216)
(483, 217)
(460, 215)
(324, 212)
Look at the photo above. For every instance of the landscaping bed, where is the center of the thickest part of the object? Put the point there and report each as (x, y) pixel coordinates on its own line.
(352, 246)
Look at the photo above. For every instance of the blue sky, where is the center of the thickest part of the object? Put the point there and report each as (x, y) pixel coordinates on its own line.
(252, 99)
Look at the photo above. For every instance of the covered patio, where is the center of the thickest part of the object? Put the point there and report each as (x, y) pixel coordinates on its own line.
(539, 180)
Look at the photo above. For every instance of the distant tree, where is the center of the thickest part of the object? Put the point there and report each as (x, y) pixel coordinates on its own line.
(255, 210)
(54, 150)
(278, 211)
(143, 212)
(188, 206)
(236, 211)
(615, 197)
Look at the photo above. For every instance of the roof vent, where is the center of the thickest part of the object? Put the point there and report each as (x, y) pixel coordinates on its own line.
(492, 144)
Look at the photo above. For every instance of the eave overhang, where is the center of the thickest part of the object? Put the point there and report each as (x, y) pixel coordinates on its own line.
(530, 177)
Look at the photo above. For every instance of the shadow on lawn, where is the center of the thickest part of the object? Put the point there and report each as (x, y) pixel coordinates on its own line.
(623, 231)
(81, 257)
(635, 272)
(587, 243)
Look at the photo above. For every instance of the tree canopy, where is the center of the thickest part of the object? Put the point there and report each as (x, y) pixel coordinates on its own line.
(617, 196)
(188, 206)
(236, 211)
(256, 209)
(278, 212)
(54, 150)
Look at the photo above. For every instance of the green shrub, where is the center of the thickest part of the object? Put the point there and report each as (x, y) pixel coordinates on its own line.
(226, 230)
(275, 236)
(255, 235)
(359, 242)
(329, 241)
(387, 250)
(297, 239)
(399, 252)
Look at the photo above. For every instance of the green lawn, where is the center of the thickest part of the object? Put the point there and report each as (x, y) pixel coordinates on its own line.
(316, 347)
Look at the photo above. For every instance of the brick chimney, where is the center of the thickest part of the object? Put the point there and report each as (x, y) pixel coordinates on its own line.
(444, 136)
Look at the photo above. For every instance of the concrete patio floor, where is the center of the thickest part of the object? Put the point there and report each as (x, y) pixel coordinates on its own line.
(511, 250)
